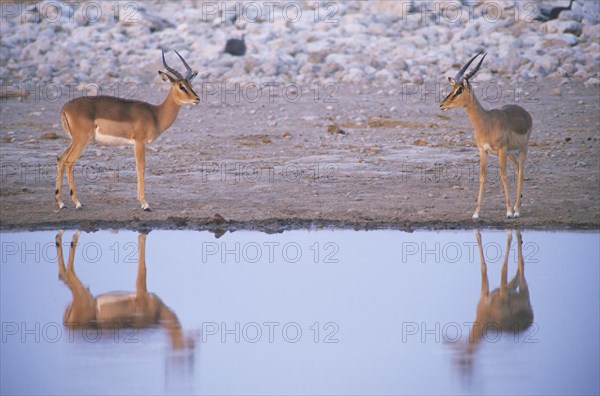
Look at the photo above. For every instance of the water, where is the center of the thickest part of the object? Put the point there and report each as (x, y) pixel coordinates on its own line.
(302, 312)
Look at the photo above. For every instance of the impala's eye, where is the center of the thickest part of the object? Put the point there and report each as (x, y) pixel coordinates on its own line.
(182, 88)
(459, 91)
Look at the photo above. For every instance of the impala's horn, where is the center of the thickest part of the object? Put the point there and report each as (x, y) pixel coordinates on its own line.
(472, 72)
(187, 67)
(459, 75)
(170, 69)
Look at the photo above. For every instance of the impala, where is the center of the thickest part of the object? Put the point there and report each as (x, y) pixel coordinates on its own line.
(112, 120)
(115, 310)
(503, 132)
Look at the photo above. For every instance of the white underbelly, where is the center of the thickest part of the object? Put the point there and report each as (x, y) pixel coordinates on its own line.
(488, 149)
(103, 138)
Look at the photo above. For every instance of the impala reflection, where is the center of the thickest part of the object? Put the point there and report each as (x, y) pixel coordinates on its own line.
(505, 310)
(117, 309)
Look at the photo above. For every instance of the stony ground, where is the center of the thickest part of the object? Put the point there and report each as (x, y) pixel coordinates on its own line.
(350, 156)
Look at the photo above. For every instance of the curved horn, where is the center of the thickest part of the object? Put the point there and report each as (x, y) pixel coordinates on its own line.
(187, 67)
(460, 73)
(472, 72)
(170, 69)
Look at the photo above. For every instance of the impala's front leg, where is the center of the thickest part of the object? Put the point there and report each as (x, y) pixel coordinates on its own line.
(482, 176)
(502, 158)
(140, 164)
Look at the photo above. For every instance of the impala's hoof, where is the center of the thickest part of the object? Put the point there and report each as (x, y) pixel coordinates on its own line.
(61, 205)
(475, 216)
(509, 215)
(77, 205)
(146, 207)
(516, 214)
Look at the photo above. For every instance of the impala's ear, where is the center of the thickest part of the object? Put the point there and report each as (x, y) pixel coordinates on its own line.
(166, 77)
(192, 76)
(452, 80)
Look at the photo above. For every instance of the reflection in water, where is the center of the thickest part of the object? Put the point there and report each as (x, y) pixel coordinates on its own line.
(371, 291)
(505, 309)
(117, 310)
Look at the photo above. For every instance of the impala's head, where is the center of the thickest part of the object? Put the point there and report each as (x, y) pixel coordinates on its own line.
(181, 87)
(461, 93)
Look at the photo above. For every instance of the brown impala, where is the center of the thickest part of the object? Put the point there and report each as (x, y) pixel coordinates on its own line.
(112, 120)
(503, 132)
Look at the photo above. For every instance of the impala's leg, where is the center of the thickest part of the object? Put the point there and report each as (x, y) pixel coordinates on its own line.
(521, 268)
(485, 286)
(520, 177)
(60, 169)
(513, 159)
(140, 283)
(504, 272)
(71, 263)
(76, 150)
(502, 158)
(140, 163)
(62, 272)
(482, 176)
(82, 309)
(516, 280)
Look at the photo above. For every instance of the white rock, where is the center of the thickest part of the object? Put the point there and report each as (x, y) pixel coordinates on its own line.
(592, 82)
(560, 39)
(559, 26)
(545, 65)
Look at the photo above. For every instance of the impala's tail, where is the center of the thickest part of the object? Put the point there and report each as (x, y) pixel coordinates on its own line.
(65, 123)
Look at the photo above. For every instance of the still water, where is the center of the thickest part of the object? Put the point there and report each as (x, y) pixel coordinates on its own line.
(301, 312)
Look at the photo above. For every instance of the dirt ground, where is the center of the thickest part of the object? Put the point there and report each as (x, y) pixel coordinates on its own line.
(381, 157)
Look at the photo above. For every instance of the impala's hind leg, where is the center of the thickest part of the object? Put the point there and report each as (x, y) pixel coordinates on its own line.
(60, 169)
(520, 177)
(502, 155)
(513, 159)
(75, 152)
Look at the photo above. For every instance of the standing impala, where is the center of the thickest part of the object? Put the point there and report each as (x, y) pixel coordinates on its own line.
(503, 132)
(113, 120)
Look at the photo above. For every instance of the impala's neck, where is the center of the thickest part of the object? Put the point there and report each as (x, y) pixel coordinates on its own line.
(477, 115)
(166, 112)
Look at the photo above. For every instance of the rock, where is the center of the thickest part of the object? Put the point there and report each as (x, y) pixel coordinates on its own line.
(557, 40)
(565, 70)
(592, 82)
(571, 16)
(559, 26)
(545, 65)
(403, 43)
(334, 129)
